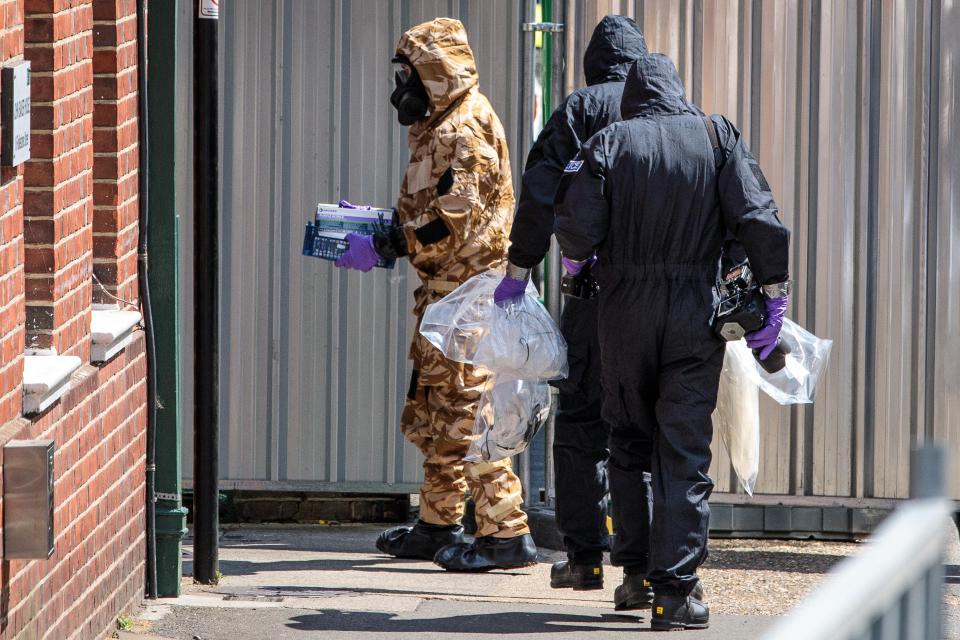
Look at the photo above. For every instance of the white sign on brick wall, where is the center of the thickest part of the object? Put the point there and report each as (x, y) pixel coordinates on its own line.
(16, 114)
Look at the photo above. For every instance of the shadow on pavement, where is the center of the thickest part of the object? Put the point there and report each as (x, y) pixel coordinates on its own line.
(486, 623)
(245, 567)
(375, 565)
(292, 591)
(314, 542)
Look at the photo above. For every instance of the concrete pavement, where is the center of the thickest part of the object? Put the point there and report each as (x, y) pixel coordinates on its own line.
(433, 619)
(330, 582)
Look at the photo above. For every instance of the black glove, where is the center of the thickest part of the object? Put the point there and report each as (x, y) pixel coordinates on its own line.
(390, 244)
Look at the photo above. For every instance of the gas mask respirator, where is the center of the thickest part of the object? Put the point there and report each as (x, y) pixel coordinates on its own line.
(409, 97)
(582, 286)
(739, 310)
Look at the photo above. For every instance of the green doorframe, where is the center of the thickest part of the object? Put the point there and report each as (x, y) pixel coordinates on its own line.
(163, 229)
(546, 275)
(538, 66)
(548, 65)
(551, 75)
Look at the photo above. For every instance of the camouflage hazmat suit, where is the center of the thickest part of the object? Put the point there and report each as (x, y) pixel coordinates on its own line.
(456, 207)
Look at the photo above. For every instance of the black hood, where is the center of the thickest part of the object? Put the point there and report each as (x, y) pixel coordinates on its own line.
(615, 44)
(653, 86)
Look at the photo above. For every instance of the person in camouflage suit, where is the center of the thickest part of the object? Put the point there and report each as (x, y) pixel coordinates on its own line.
(454, 210)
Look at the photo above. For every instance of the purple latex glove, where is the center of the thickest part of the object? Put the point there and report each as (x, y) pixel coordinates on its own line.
(509, 290)
(360, 255)
(573, 267)
(766, 337)
(343, 204)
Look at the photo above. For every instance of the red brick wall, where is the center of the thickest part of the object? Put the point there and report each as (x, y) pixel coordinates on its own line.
(53, 213)
(97, 569)
(58, 180)
(11, 242)
(115, 148)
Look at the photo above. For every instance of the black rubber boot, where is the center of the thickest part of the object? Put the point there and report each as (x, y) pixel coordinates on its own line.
(422, 540)
(636, 592)
(677, 613)
(488, 553)
(579, 577)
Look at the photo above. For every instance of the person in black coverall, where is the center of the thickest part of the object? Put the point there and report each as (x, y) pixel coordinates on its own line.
(580, 443)
(650, 198)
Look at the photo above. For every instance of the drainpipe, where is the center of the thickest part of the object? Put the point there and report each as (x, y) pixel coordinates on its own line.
(143, 280)
(163, 226)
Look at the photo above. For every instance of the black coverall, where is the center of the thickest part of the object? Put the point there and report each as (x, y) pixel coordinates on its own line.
(580, 441)
(650, 200)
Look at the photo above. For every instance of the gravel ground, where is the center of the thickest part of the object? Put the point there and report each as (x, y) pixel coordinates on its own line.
(767, 577)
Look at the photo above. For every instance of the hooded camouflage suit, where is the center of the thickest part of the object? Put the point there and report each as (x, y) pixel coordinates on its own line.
(456, 206)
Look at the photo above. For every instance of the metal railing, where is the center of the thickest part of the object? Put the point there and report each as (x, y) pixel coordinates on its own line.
(894, 588)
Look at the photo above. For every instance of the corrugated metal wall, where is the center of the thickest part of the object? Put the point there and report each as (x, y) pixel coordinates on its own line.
(851, 108)
(314, 358)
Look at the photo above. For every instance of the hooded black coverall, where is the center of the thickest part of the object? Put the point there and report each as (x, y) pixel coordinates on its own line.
(580, 442)
(646, 194)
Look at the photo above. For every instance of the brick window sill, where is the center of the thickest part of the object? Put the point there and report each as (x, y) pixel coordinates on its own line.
(45, 380)
(111, 330)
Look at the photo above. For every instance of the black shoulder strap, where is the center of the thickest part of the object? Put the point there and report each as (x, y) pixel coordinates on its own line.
(714, 140)
(717, 162)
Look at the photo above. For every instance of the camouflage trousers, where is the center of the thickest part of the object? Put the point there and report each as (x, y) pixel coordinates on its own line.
(438, 419)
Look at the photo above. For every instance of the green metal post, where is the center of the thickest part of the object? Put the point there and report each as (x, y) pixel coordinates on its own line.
(164, 288)
(546, 58)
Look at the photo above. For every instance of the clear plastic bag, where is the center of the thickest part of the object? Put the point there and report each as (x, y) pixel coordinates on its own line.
(796, 383)
(737, 416)
(521, 341)
(510, 415)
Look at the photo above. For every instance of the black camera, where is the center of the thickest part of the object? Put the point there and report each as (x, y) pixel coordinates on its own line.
(582, 285)
(739, 309)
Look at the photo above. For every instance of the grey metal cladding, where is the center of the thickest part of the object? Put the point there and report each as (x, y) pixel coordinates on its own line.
(850, 108)
(314, 366)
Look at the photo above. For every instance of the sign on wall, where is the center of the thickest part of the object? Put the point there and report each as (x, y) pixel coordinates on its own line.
(15, 97)
(210, 9)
